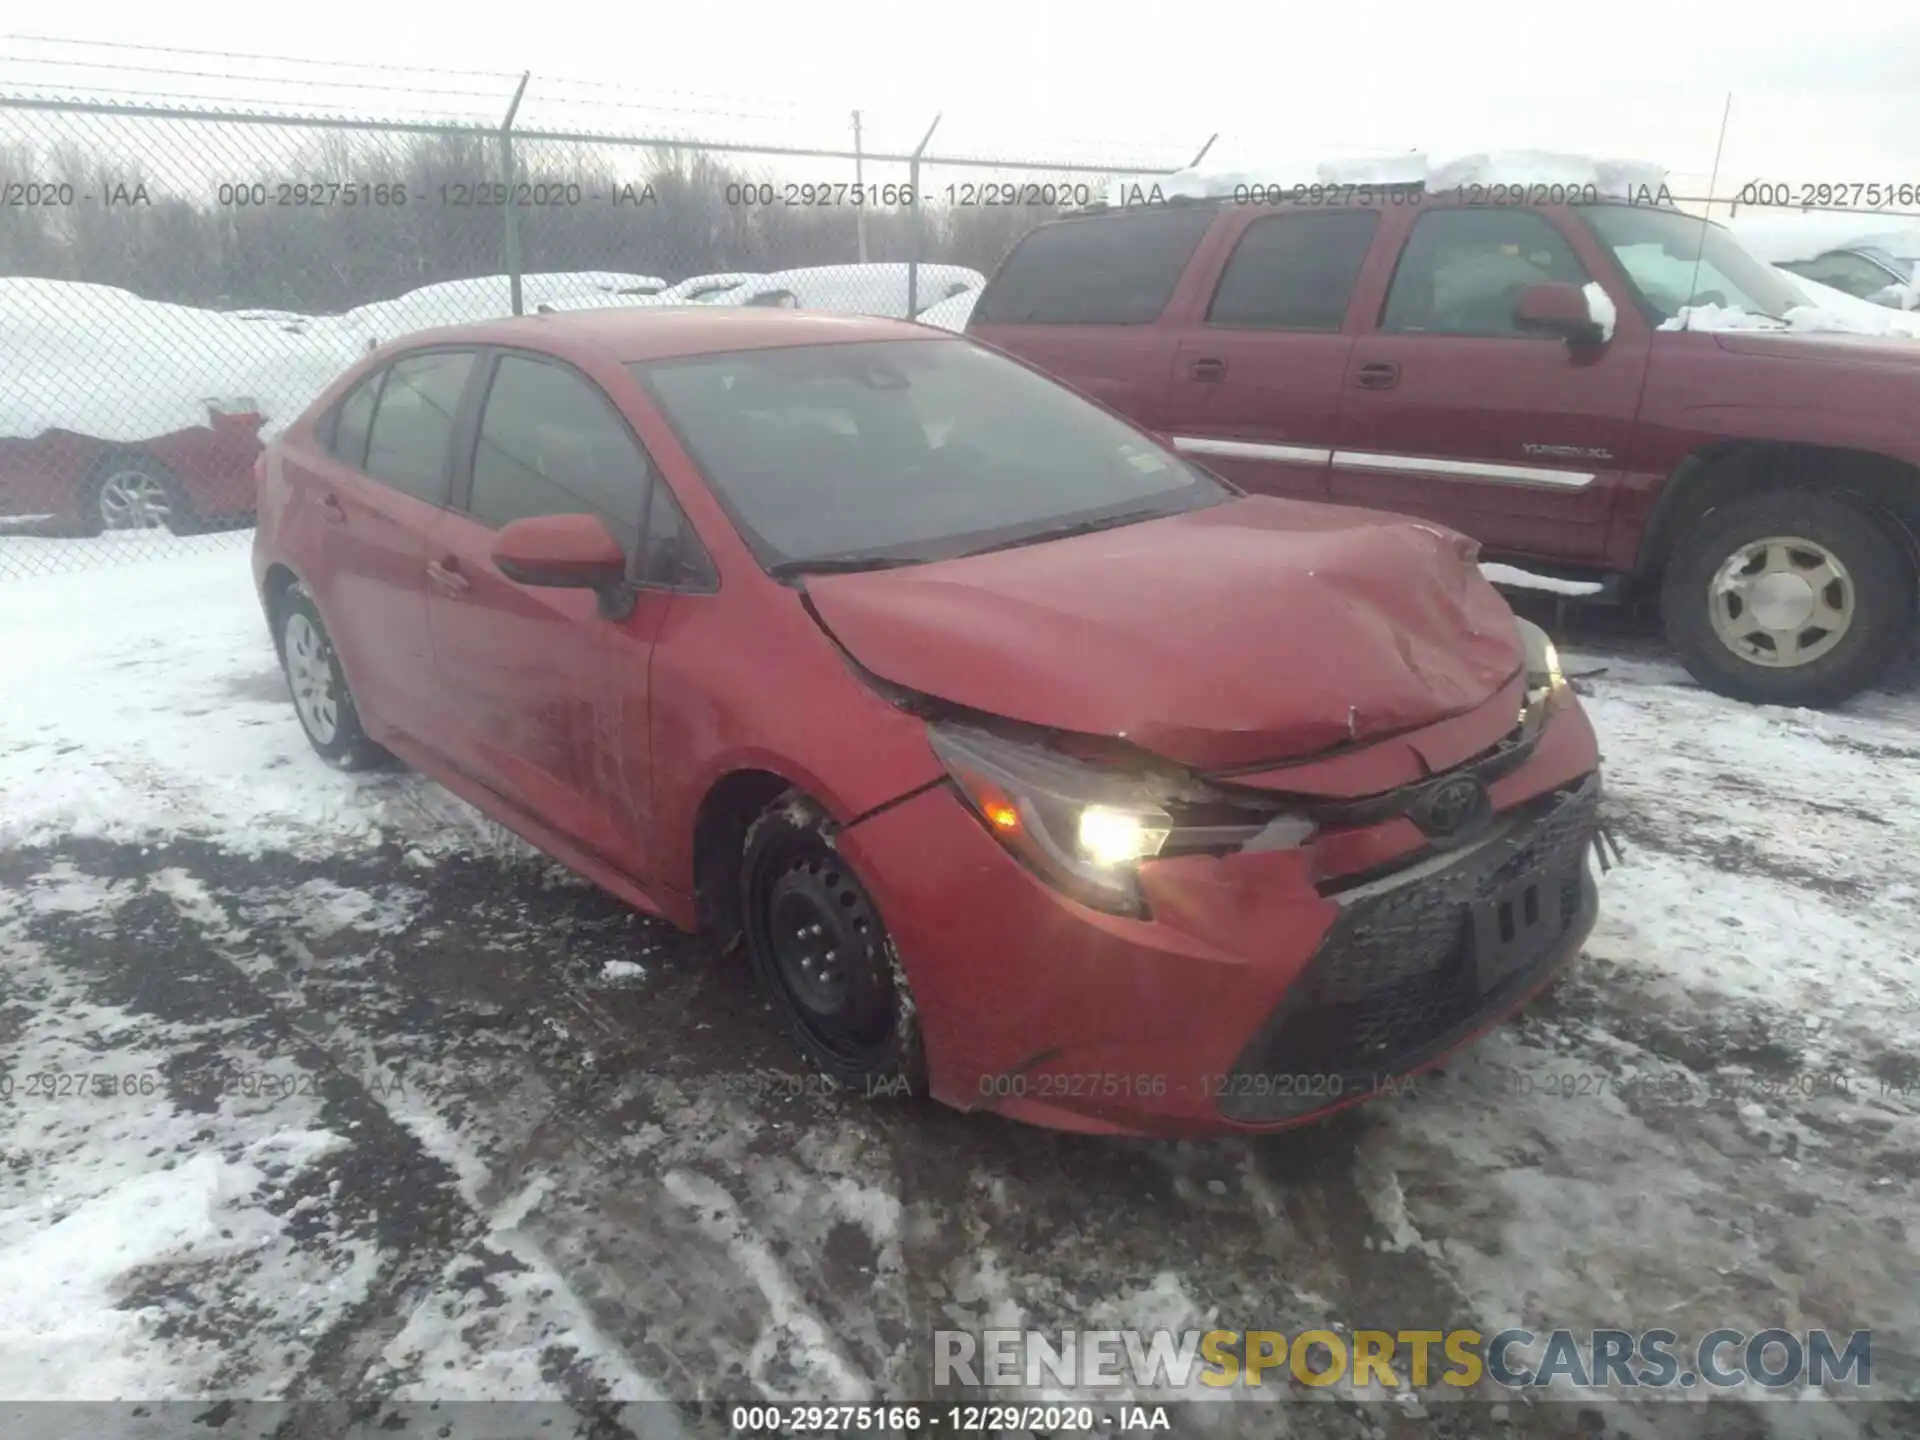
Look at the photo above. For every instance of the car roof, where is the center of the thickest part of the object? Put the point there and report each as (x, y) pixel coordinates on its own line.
(671, 332)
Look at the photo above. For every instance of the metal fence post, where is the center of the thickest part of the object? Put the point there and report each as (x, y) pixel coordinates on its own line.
(509, 211)
(919, 232)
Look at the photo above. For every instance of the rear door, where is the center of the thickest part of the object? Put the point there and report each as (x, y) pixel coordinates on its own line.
(1450, 411)
(379, 483)
(1256, 382)
(547, 697)
(1080, 298)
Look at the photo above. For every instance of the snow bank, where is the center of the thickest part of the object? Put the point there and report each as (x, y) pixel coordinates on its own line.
(872, 289)
(1618, 179)
(105, 362)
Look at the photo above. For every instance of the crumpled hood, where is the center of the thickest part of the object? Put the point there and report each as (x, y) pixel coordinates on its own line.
(1258, 630)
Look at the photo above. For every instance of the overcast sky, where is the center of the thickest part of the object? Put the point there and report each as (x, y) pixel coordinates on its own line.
(1819, 93)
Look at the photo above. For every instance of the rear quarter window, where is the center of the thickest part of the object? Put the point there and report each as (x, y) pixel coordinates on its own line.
(1104, 270)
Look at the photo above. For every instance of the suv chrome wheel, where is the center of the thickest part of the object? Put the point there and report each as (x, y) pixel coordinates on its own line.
(1782, 600)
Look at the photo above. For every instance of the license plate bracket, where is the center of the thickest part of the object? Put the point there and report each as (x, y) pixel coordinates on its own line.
(1512, 927)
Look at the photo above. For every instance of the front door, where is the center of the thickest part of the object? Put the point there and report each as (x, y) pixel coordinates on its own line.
(1450, 411)
(546, 698)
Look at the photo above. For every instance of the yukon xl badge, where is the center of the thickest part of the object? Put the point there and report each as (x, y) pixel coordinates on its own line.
(1571, 452)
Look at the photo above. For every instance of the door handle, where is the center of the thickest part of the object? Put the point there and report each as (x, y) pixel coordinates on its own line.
(1379, 375)
(331, 507)
(444, 576)
(1208, 367)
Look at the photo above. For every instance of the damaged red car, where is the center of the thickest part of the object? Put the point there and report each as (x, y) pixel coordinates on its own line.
(1037, 767)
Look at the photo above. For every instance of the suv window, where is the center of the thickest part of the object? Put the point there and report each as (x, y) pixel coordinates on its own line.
(353, 419)
(551, 443)
(413, 423)
(1294, 272)
(1112, 270)
(1462, 270)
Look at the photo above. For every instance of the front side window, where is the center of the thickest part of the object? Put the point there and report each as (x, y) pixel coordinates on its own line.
(1673, 260)
(1462, 271)
(899, 451)
(551, 443)
(413, 423)
(1294, 272)
(1110, 270)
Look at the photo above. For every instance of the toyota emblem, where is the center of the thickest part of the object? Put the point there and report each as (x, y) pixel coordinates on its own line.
(1449, 806)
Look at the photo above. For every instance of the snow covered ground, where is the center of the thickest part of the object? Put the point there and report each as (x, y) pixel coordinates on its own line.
(320, 1086)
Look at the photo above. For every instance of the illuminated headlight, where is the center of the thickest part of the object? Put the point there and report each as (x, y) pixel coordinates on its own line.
(1544, 676)
(1083, 828)
(1118, 837)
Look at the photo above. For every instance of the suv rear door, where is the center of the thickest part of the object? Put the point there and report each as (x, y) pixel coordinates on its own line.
(1257, 371)
(1450, 411)
(1079, 298)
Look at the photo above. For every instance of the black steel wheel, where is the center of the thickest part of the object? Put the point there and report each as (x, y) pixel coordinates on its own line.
(822, 952)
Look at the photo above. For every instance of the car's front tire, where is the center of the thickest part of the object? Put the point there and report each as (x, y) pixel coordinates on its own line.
(321, 698)
(823, 955)
(1789, 597)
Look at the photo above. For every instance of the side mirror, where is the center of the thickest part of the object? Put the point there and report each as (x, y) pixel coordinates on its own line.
(1557, 308)
(575, 552)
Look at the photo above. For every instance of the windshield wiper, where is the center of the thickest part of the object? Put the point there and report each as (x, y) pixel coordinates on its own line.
(1078, 527)
(840, 565)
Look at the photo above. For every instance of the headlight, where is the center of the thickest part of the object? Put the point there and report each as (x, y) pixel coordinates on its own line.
(1544, 677)
(1084, 829)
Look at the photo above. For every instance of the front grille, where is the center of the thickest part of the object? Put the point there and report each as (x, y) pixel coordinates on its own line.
(1418, 960)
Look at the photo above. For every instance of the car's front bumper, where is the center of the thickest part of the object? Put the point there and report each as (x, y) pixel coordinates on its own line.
(1253, 997)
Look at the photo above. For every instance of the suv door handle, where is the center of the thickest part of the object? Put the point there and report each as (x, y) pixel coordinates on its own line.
(1379, 375)
(444, 576)
(1208, 367)
(331, 507)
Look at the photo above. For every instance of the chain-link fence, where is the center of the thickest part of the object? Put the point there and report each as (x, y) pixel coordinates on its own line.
(176, 284)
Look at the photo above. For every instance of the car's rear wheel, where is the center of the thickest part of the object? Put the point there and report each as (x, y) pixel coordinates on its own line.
(821, 951)
(136, 492)
(321, 698)
(1789, 597)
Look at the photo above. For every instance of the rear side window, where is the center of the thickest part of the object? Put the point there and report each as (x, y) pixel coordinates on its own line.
(551, 443)
(1112, 270)
(413, 423)
(1462, 271)
(353, 420)
(1294, 272)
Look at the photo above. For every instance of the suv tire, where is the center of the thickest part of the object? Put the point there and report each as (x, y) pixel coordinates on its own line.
(1789, 597)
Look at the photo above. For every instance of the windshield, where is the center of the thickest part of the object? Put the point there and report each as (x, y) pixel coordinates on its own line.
(1674, 260)
(904, 450)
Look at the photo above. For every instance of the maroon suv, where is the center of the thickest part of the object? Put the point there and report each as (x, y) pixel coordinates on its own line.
(1508, 370)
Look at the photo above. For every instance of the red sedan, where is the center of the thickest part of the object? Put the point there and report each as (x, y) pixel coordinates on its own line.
(1038, 767)
(182, 480)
